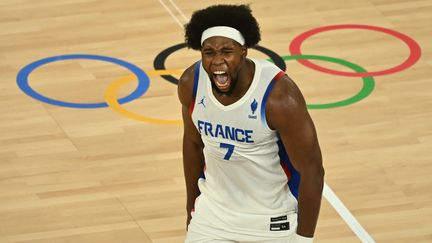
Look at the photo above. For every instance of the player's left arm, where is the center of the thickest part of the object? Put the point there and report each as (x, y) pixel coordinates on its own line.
(286, 112)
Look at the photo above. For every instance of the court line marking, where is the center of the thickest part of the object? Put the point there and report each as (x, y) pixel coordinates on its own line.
(179, 10)
(328, 193)
(171, 13)
(346, 215)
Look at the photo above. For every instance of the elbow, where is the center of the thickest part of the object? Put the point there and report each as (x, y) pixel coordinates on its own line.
(317, 176)
(313, 174)
(321, 173)
(320, 177)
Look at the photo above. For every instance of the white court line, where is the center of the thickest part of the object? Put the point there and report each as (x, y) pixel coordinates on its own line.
(178, 10)
(171, 13)
(328, 193)
(346, 215)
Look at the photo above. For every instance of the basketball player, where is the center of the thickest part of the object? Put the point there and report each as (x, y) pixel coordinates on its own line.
(252, 163)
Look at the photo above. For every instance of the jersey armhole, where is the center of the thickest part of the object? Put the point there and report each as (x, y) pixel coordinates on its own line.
(195, 87)
(277, 77)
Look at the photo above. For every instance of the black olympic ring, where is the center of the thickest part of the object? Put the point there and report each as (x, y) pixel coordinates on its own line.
(159, 61)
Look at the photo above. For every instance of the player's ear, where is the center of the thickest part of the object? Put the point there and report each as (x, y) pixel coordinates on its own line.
(244, 51)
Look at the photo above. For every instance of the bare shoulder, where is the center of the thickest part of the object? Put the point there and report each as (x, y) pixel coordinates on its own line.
(285, 102)
(185, 85)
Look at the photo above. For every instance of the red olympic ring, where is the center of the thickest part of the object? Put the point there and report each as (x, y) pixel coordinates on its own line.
(415, 50)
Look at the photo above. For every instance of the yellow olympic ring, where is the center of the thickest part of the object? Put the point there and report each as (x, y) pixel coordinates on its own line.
(111, 98)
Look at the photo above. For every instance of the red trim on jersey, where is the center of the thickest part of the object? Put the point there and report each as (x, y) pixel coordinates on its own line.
(286, 170)
(279, 75)
(191, 107)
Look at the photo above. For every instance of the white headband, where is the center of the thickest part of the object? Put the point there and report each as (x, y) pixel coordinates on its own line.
(224, 31)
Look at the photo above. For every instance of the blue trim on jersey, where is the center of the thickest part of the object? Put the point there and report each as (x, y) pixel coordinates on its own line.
(278, 76)
(196, 76)
(264, 102)
(294, 181)
(202, 175)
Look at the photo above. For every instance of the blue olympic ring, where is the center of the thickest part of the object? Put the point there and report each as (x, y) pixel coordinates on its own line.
(22, 80)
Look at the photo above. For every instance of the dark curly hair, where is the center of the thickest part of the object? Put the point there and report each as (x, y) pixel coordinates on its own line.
(235, 16)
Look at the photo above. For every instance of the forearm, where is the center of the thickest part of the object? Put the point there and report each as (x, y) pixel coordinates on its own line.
(309, 202)
(193, 165)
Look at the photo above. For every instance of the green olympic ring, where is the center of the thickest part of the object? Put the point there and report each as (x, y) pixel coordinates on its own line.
(368, 82)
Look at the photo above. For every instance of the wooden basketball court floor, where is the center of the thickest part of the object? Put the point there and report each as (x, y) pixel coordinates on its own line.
(98, 175)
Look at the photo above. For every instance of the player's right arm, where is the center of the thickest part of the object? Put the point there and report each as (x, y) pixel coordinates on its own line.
(193, 157)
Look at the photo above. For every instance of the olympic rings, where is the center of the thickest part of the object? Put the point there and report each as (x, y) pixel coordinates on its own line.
(22, 80)
(415, 50)
(368, 82)
(159, 61)
(111, 98)
(159, 64)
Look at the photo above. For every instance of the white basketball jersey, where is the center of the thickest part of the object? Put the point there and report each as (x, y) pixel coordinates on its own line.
(248, 184)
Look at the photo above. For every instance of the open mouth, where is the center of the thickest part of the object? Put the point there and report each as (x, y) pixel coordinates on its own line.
(221, 80)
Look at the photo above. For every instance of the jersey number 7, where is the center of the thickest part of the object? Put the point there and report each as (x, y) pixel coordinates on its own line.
(230, 148)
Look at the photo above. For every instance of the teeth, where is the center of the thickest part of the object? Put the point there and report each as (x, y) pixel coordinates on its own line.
(218, 72)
